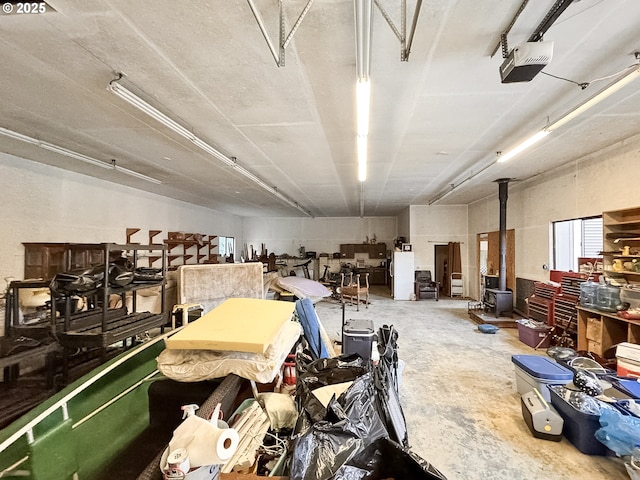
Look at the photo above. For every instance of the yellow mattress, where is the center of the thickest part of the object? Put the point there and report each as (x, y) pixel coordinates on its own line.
(238, 324)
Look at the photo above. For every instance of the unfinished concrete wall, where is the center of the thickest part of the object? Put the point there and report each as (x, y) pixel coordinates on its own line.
(433, 225)
(39, 203)
(588, 186)
(321, 235)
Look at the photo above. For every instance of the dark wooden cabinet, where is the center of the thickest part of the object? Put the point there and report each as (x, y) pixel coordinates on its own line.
(374, 251)
(378, 276)
(44, 260)
(347, 250)
(378, 250)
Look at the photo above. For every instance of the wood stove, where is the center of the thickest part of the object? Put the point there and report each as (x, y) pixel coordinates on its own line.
(498, 301)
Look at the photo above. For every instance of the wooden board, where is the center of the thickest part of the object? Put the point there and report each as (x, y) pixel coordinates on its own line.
(238, 324)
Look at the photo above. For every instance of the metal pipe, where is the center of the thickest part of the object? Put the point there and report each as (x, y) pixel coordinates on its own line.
(503, 189)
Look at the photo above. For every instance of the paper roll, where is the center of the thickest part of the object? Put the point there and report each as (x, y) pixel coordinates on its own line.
(226, 444)
(206, 443)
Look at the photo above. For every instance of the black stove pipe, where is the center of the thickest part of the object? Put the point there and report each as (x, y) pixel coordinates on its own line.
(503, 188)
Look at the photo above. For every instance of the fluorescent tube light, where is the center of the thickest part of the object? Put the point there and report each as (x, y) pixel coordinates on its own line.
(135, 101)
(627, 78)
(75, 155)
(363, 101)
(632, 74)
(139, 175)
(153, 112)
(523, 146)
(362, 157)
(364, 27)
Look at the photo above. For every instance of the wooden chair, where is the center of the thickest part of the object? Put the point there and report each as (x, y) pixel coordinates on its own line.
(353, 289)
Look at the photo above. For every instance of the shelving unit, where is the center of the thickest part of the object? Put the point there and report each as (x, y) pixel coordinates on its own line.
(182, 248)
(621, 228)
(599, 331)
(103, 326)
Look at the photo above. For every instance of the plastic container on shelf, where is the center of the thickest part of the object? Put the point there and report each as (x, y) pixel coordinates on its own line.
(607, 297)
(588, 292)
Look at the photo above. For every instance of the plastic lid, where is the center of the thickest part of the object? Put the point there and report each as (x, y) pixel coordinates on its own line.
(542, 367)
(359, 326)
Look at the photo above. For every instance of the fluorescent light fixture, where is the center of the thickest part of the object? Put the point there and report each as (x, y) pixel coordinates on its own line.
(364, 27)
(362, 157)
(135, 101)
(627, 78)
(363, 95)
(523, 146)
(632, 74)
(75, 155)
(363, 101)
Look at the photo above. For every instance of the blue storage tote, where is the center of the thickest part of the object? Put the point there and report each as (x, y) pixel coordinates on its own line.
(535, 371)
(579, 428)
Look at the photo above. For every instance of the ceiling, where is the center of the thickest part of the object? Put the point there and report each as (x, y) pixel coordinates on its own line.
(436, 120)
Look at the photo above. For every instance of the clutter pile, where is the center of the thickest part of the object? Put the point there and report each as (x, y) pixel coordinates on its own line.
(343, 418)
(571, 395)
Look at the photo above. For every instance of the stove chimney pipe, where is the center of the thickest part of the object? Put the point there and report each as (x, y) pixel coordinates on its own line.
(503, 189)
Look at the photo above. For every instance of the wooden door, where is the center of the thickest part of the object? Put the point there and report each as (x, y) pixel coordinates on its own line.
(493, 256)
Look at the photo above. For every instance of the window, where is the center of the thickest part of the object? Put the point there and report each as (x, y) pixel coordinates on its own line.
(226, 246)
(581, 237)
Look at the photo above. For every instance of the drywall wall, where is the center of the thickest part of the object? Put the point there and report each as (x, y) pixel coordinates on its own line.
(588, 186)
(404, 224)
(433, 225)
(321, 235)
(40, 203)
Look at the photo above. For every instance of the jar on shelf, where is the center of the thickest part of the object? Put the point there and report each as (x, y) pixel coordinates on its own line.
(588, 292)
(607, 297)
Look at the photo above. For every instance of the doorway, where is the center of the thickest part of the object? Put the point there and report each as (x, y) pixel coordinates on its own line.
(441, 256)
(488, 245)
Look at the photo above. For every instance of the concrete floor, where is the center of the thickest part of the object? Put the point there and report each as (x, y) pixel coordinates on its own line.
(459, 396)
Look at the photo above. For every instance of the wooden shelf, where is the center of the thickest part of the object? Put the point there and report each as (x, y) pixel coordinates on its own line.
(599, 331)
(620, 228)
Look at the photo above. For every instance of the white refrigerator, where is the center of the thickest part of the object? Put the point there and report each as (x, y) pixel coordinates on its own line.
(402, 275)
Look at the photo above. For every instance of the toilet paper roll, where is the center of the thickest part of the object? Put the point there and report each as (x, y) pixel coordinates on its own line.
(226, 444)
(206, 442)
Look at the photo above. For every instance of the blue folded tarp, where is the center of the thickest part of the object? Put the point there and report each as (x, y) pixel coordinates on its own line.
(311, 327)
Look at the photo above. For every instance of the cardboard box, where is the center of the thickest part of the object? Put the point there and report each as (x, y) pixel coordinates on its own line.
(594, 330)
(594, 346)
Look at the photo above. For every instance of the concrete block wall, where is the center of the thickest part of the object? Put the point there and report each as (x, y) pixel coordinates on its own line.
(605, 180)
(321, 235)
(40, 203)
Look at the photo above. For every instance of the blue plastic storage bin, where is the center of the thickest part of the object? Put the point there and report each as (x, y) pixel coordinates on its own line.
(579, 428)
(535, 371)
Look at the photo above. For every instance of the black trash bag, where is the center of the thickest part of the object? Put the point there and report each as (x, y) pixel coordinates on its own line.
(353, 421)
(390, 406)
(384, 459)
(70, 283)
(387, 382)
(312, 374)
